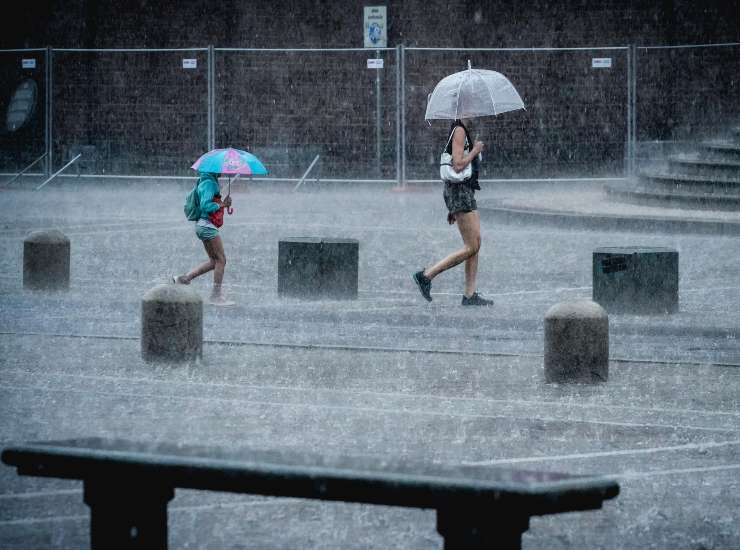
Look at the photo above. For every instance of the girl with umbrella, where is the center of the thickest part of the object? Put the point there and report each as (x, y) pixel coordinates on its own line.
(206, 229)
(210, 167)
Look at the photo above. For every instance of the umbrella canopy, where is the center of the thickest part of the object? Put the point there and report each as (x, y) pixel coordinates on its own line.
(472, 93)
(229, 161)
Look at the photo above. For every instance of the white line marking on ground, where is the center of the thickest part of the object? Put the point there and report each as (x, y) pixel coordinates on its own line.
(680, 471)
(379, 395)
(602, 454)
(373, 410)
(271, 501)
(381, 292)
(35, 494)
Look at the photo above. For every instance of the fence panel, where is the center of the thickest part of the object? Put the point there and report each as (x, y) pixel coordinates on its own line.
(575, 124)
(685, 94)
(19, 147)
(130, 111)
(286, 106)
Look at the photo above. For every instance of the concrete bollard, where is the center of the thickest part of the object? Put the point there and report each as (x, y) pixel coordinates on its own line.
(171, 324)
(318, 268)
(46, 260)
(576, 343)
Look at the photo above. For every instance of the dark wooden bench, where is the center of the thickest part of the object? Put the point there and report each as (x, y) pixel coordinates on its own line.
(128, 485)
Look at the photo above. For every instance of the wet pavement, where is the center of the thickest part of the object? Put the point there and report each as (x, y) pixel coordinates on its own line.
(384, 375)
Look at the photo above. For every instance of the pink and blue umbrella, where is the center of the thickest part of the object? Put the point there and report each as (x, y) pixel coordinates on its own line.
(230, 161)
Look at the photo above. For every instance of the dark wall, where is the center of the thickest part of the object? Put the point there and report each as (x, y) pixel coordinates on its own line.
(337, 23)
(144, 113)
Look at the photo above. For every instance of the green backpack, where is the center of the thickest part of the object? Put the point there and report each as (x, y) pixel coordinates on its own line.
(192, 204)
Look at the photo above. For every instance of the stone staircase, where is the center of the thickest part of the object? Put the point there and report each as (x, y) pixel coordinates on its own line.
(706, 178)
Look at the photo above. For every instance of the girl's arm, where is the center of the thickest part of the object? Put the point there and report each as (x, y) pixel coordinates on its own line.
(206, 194)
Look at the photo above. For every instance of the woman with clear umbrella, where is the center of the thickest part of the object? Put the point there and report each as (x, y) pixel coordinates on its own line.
(461, 97)
(462, 209)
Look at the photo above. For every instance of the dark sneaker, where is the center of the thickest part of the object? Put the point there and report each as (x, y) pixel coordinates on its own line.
(476, 300)
(424, 284)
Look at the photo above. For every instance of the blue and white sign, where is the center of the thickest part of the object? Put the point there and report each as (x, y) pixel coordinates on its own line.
(375, 27)
(28, 63)
(189, 63)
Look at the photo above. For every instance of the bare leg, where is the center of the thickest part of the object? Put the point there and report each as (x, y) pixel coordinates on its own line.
(468, 223)
(216, 262)
(471, 274)
(215, 250)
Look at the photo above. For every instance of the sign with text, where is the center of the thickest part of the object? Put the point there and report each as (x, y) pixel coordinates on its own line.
(374, 63)
(375, 29)
(601, 62)
(189, 63)
(28, 63)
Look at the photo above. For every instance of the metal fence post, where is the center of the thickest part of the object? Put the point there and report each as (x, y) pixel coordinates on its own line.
(403, 116)
(48, 163)
(211, 100)
(378, 118)
(633, 122)
(628, 133)
(398, 115)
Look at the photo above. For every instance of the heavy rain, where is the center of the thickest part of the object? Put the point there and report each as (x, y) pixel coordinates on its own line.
(338, 349)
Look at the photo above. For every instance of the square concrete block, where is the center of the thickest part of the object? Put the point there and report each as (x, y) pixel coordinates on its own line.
(318, 268)
(636, 280)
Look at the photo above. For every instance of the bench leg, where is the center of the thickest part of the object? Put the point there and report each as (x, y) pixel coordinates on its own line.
(471, 530)
(127, 514)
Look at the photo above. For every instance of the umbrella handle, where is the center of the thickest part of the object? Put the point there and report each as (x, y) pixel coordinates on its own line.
(229, 210)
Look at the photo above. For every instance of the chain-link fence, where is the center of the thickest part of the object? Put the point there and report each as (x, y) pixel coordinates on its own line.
(130, 111)
(287, 106)
(147, 112)
(575, 124)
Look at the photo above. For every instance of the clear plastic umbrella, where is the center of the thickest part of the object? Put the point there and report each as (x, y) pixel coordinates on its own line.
(472, 93)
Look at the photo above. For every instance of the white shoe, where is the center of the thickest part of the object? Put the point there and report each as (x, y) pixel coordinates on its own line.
(178, 280)
(220, 302)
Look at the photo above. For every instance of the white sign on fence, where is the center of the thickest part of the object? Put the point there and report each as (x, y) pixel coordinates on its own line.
(375, 29)
(28, 63)
(601, 62)
(189, 63)
(374, 63)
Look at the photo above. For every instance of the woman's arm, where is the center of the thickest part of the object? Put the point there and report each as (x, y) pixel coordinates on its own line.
(459, 159)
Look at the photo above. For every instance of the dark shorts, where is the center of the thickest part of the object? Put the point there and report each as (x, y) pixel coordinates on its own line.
(459, 197)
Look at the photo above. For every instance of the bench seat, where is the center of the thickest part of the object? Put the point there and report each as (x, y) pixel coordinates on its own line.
(128, 485)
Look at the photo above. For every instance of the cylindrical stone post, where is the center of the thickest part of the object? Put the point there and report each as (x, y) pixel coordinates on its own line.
(576, 343)
(46, 260)
(171, 324)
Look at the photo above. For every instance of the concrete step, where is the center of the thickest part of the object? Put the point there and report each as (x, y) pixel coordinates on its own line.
(673, 199)
(720, 150)
(697, 166)
(671, 182)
